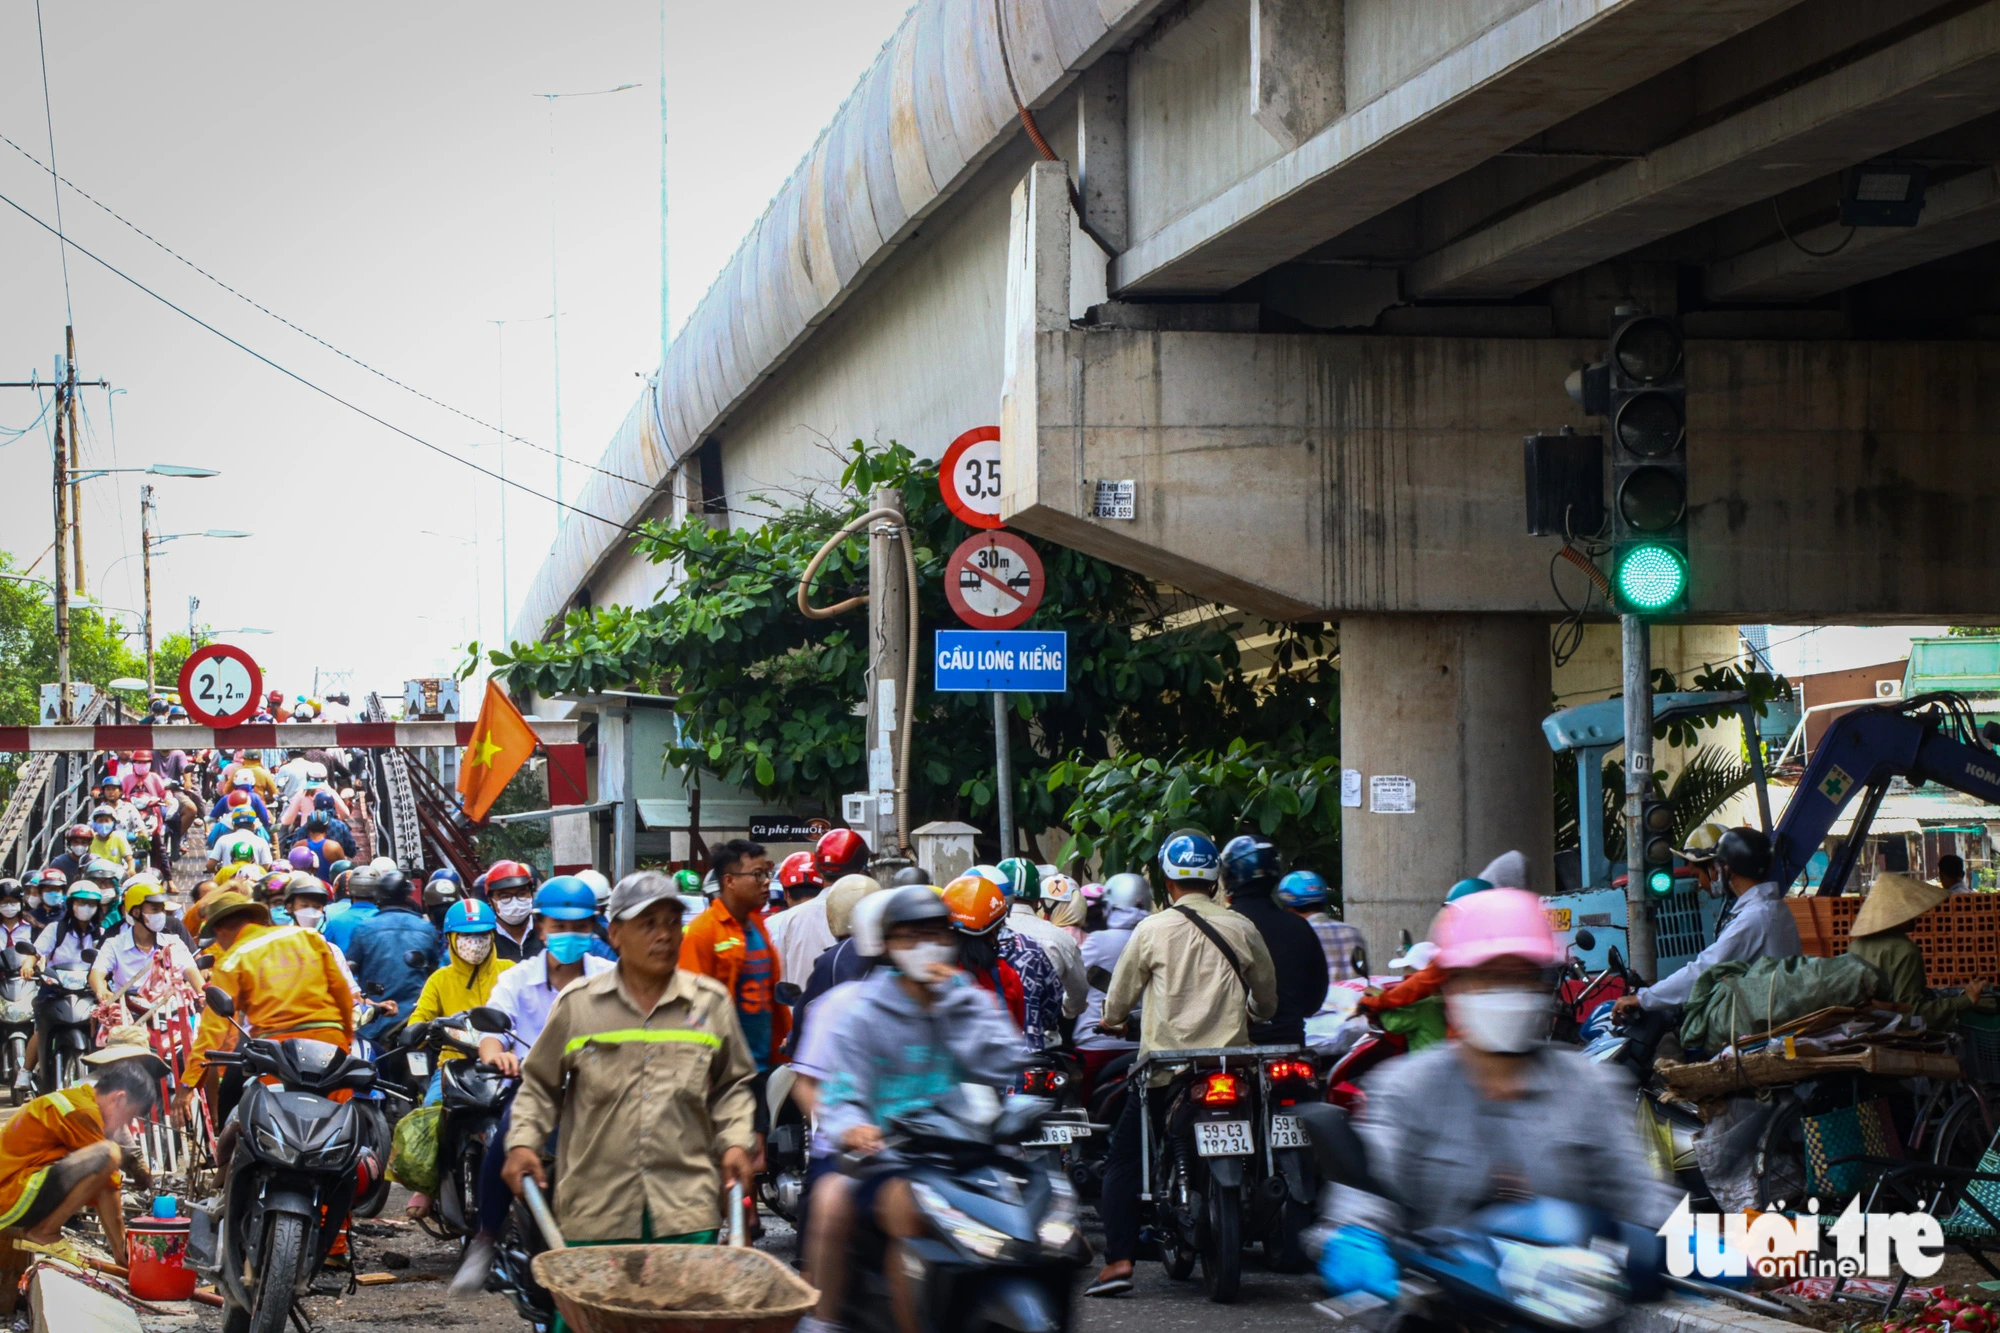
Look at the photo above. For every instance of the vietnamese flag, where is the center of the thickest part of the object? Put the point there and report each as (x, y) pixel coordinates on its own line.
(501, 742)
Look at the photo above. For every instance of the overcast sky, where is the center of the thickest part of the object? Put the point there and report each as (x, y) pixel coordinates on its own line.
(379, 174)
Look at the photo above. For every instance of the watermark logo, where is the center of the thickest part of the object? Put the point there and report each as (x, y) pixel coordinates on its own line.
(1771, 1244)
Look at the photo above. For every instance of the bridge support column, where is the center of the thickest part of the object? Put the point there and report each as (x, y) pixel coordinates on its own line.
(1453, 704)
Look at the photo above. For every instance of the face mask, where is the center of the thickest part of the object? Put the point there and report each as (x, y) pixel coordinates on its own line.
(569, 946)
(309, 917)
(1505, 1022)
(53, 899)
(10, 909)
(919, 957)
(142, 769)
(513, 910)
(100, 827)
(83, 911)
(472, 949)
(154, 921)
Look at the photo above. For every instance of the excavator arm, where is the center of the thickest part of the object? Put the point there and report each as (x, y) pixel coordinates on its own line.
(1929, 738)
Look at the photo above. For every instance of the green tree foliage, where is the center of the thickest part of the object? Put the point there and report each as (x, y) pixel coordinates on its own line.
(765, 695)
(98, 652)
(169, 654)
(526, 790)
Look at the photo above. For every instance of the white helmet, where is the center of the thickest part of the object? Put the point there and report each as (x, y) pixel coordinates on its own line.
(865, 925)
(599, 885)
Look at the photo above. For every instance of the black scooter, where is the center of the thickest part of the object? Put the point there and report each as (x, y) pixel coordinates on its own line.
(1004, 1249)
(474, 1096)
(299, 1161)
(71, 1007)
(17, 1022)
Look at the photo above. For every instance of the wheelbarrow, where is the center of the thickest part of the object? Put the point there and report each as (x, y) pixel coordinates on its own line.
(666, 1288)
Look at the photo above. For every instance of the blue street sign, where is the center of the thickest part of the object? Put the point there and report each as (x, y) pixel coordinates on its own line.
(1017, 661)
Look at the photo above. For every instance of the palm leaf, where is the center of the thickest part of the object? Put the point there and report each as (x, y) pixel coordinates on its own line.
(1710, 778)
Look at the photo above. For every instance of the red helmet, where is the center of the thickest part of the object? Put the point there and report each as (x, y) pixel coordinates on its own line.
(839, 852)
(798, 869)
(54, 878)
(508, 875)
(79, 833)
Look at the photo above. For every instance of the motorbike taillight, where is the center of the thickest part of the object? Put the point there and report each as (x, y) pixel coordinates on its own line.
(1220, 1089)
(1281, 1071)
(1043, 1080)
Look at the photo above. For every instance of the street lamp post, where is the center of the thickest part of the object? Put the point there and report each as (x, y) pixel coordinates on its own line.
(147, 542)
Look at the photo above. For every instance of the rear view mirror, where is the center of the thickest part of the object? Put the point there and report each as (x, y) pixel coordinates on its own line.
(219, 1001)
(1585, 940)
(486, 1018)
(1337, 1150)
(1360, 960)
(25, 949)
(1407, 941)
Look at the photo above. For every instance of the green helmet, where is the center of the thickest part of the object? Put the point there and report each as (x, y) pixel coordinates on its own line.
(688, 883)
(110, 872)
(1024, 881)
(242, 851)
(86, 892)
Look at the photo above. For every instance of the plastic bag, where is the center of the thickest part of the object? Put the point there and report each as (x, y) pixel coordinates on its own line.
(413, 1157)
(1422, 1022)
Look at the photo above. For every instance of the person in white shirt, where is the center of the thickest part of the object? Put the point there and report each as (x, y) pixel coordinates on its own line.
(16, 925)
(292, 776)
(128, 954)
(1023, 898)
(800, 933)
(565, 912)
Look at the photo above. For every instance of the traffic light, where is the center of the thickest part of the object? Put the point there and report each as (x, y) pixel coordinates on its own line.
(1646, 401)
(1656, 852)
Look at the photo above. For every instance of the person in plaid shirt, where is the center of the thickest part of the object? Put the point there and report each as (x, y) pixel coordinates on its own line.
(1305, 894)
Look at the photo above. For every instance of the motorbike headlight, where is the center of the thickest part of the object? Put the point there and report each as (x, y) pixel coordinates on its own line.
(963, 1230)
(274, 1145)
(1565, 1286)
(1058, 1229)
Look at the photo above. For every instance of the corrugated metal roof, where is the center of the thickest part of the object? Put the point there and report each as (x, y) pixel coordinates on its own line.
(933, 106)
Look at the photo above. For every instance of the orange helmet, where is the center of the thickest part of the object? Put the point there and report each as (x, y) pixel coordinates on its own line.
(975, 903)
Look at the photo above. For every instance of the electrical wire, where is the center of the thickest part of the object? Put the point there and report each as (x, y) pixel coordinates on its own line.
(1035, 135)
(49, 119)
(1802, 247)
(291, 374)
(305, 333)
(12, 434)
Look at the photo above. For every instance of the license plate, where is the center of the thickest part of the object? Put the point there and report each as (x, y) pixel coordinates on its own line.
(1285, 1132)
(1223, 1138)
(1052, 1136)
(420, 1064)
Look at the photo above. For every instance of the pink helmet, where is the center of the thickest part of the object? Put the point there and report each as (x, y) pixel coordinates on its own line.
(1499, 923)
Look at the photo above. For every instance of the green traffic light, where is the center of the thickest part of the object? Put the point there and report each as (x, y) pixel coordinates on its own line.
(1661, 881)
(1651, 577)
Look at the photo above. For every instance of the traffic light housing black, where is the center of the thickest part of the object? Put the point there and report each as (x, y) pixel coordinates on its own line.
(1646, 402)
(1656, 854)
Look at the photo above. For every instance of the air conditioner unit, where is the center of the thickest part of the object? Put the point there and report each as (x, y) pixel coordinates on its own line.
(1888, 689)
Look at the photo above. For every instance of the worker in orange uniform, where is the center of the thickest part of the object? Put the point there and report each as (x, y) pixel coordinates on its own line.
(286, 981)
(57, 1157)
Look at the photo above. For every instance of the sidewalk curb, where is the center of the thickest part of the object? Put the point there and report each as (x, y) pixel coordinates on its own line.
(1693, 1314)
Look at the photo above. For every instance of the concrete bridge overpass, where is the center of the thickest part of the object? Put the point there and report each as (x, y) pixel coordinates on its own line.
(1334, 258)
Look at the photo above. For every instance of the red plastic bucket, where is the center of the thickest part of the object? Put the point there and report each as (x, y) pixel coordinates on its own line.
(156, 1248)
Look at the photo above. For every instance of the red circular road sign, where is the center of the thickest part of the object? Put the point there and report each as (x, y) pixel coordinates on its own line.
(969, 476)
(993, 580)
(220, 685)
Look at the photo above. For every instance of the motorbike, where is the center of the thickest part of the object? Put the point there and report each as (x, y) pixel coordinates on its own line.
(17, 1022)
(1003, 1247)
(1282, 1206)
(300, 1160)
(1200, 1161)
(1059, 1142)
(72, 1020)
(474, 1096)
(781, 1185)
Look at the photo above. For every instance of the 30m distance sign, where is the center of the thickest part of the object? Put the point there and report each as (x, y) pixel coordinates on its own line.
(1021, 661)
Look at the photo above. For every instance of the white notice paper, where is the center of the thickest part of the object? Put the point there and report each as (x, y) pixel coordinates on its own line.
(1392, 795)
(1350, 788)
(881, 769)
(1115, 499)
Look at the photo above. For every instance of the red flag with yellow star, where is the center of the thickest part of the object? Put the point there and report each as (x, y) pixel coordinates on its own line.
(501, 742)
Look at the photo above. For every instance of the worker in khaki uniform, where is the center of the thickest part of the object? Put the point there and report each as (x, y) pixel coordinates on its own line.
(645, 1073)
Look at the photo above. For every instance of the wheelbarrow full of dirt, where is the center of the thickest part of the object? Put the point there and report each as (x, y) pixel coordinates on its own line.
(669, 1288)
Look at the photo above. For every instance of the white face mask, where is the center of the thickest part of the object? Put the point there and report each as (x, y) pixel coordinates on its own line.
(309, 917)
(10, 909)
(919, 958)
(472, 949)
(83, 911)
(513, 910)
(154, 921)
(1505, 1022)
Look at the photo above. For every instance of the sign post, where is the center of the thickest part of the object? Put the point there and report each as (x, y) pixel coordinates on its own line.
(220, 685)
(1005, 662)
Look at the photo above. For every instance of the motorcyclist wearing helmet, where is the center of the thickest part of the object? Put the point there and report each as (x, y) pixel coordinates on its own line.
(1022, 884)
(244, 780)
(843, 962)
(145, 938)
(1128, 898)
(1203, 976)
(840, 852)
(319, 843)
(441, 891)
(107, 839)
(1306, 895)
(378, 948)
(978, 916)
(467, 980)
(1756, 923)
(16, 925)
(600, 889)
(799, 933)
(1251, 868)
(75, 855)
(60, 948)
(510, 888)
(912, 1035)
(1492, 1113)
(137, 777)
(47, 908)
(565, 919)
(356, 909)
(1064, 902)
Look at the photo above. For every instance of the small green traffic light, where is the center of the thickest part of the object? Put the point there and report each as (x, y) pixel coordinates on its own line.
(1651, 577)
(1661, 881)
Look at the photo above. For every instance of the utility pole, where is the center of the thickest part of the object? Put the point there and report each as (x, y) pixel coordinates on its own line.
(1638, 786)
(75, 487)
(889, 664)
(66, 713)
(146, 564)
(193, 602)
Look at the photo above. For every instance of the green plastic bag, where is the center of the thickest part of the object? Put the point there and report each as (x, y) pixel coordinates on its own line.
(1422, 1022)
(413, 1158)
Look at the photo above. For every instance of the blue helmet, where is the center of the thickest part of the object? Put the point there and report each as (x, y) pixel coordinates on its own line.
(566, 898)
(445, 872)
(470, 916)
(1250, 864)
(1189, 856)
(1302, 888)
(1465, 886)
